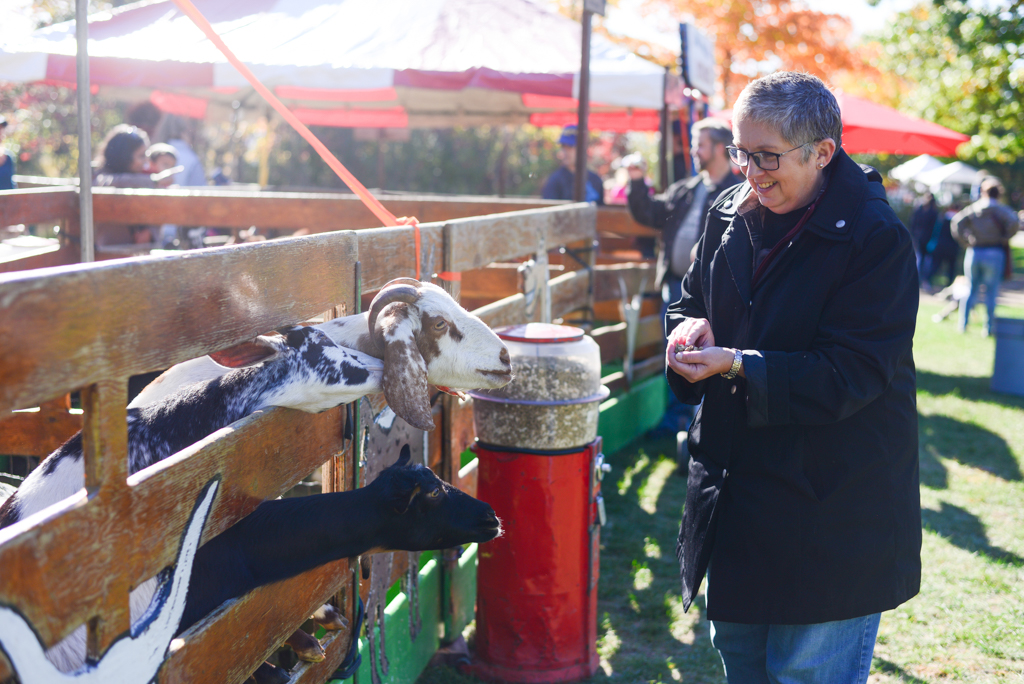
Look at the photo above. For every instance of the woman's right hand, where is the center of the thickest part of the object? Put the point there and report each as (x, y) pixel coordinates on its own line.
(691, 332)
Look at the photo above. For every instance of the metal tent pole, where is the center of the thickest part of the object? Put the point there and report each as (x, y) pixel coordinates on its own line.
(84, 131)
(582, 134)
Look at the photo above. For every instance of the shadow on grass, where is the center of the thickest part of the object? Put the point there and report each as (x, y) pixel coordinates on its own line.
(889, 668)
(965, 443)
(963, 529)
(969, 387)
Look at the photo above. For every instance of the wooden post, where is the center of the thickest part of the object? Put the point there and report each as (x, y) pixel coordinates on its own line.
(450, 458)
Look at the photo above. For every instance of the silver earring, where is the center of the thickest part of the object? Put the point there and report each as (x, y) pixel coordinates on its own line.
(821, 166)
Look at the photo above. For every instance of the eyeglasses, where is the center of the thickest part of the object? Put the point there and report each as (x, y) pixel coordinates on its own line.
(768, 161)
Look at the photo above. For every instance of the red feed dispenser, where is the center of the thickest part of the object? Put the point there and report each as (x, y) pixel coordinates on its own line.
(540, 469)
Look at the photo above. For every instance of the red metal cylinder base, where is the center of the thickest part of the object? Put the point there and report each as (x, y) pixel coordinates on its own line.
(537, 584)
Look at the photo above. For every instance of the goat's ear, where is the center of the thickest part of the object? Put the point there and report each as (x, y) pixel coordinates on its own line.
(405, 371)
(405, 456)
(246, 353)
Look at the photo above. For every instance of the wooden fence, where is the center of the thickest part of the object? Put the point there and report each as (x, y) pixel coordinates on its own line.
(90, 327)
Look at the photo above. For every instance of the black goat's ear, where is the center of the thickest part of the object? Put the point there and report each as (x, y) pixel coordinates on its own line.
(405, 456)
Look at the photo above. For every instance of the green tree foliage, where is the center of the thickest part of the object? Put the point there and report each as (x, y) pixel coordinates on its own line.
(963, 65)
(43, 127)
(486, 160)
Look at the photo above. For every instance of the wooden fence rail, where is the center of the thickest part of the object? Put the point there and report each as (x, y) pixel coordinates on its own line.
(90, 327)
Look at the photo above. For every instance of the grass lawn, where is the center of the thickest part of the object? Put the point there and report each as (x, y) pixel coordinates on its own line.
(968, 622)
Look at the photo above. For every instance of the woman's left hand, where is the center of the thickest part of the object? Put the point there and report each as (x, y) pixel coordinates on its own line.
(698, 365)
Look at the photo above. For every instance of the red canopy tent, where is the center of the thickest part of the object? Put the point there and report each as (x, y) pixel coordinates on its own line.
(869, 128)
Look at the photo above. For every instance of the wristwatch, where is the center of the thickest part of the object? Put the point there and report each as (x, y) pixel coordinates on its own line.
(737, 363)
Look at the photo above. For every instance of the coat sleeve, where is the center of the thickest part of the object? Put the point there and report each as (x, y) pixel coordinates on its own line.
(647, 210)
(864, 333)
(691, 305)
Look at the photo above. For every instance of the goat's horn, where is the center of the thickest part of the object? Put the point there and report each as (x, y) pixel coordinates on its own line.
(398, 290)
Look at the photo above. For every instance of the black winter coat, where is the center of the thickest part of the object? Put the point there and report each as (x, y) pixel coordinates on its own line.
(803, 487)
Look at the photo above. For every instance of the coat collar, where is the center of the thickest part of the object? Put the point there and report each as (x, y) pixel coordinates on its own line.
(838, 211)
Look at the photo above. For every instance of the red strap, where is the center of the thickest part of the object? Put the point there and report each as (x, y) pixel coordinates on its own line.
(781, 244)
(371, 202)
(450, 277)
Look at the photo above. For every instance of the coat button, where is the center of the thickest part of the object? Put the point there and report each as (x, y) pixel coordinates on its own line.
(840, 223)
(725, 473)
(732, 390)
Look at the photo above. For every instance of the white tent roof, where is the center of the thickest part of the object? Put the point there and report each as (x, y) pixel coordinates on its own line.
(909, 170)
(956, 173)
(429, 59)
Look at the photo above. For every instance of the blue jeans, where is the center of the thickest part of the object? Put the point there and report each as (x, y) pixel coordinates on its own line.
(825, 653)
(982, 266)
(677, 414)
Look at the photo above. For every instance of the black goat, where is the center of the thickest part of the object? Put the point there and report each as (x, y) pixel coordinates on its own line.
(407, 508)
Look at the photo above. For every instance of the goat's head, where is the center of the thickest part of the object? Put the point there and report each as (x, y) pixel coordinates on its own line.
(423, 512)
(426, 337)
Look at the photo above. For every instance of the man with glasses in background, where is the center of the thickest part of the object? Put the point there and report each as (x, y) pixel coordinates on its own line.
(679, 214)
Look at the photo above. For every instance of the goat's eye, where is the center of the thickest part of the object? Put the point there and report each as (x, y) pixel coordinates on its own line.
(441, 325)
(434, 494)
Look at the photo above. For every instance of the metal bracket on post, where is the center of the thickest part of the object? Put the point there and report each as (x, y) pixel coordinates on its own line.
(587, 264)
(449, 459)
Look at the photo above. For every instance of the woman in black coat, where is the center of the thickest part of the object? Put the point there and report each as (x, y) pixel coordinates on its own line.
(802, 504)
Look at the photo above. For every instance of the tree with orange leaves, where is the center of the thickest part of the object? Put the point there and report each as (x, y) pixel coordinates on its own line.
(754, 37)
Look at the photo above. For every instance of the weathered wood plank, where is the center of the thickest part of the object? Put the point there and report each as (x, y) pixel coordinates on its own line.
(619, 221)
(39, 433)
(612, 338)
(232, 641)
(644, 369)
(609, 280)
(66, 328)
(389, 253)
(258, 458)
(316, 212)
(482, 240)
(37, 205)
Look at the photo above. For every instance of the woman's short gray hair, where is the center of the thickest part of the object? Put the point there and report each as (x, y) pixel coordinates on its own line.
(799, 106)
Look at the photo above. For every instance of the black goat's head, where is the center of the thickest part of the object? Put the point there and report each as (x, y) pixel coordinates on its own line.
(425, 513)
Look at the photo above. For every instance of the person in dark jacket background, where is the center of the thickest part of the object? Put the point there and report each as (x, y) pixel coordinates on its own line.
(679, 213)
(559, 185)
(803, 501)
(922, 223)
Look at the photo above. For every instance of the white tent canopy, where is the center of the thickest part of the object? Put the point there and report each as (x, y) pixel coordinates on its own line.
(909, 170)
(350, 62)
(956, 173)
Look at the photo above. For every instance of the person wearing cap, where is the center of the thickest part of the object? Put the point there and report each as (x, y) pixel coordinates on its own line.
(560, 184)
(985, 229)
(6, 161)
(679, 213)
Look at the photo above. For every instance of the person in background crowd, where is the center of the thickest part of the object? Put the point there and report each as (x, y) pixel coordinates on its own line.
(795, 330)
(177, 132)
(122, 163)
(161, 157)
(6, 161)
(985, 228)
(942, 250)
(145, 116)
(560, 184)
(679, 213)
(922, 223)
